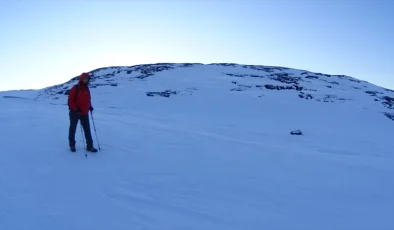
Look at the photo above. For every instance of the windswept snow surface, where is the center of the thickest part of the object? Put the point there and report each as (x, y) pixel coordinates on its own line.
(212, 159)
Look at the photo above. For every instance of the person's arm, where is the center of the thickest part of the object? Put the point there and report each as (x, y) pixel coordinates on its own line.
(90, 101)
(71, 99)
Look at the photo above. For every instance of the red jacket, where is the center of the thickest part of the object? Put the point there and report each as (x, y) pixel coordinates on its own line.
(82, 101)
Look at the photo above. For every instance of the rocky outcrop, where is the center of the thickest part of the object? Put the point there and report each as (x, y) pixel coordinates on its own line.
(285, 78)
(389, 115)
(388, 102)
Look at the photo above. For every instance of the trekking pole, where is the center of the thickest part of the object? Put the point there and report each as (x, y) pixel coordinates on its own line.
(83, 139)
(95, 132)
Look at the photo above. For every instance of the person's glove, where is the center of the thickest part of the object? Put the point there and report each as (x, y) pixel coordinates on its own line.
(91, 108)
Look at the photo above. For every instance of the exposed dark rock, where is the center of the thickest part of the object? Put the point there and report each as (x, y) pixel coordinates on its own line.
(296, 132)
(389, 115)
(151, 69)
(354, 80)
(373, 93)
(162, 63)
(278, 87)
(244, 75)
(281, 87)
(389, 102)
(103, 68)
(166, 93)
(321, 74)
(268, 69)
(329, 98)
(388, 99)
(107, 76)
(225, 64)
(298, 88)
(189, 64)
(256, 76)
(305, 96)
(312, 77)
(241, 87)
(234, 75)
(343, 77)
(284, 78)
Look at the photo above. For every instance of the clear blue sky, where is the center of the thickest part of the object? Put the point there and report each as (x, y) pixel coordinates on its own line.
(48, 42)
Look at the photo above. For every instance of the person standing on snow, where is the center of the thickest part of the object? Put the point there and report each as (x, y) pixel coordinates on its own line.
(79, 103)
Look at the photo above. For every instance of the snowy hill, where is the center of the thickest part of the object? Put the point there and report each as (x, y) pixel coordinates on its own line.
(192, 79)
(194, 146)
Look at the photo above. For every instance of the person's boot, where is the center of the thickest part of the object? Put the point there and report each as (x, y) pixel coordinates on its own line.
(91, 149)
(72, 148)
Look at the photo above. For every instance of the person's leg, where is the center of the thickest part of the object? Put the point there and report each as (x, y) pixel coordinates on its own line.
(86, 128)
(73, 128)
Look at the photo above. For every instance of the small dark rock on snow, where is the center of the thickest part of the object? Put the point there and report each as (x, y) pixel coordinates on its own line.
(296, 132)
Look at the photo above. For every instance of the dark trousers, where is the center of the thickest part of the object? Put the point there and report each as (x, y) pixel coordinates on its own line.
(74, 117)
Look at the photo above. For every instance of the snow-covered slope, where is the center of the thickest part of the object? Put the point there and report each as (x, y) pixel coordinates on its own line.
(193, 146)
(196, 80)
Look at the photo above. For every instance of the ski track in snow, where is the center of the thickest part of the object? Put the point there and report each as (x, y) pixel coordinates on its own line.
(197, 163)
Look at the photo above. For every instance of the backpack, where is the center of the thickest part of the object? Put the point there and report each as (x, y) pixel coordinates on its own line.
(76, 95)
